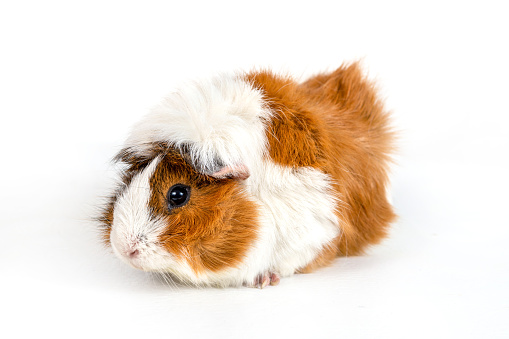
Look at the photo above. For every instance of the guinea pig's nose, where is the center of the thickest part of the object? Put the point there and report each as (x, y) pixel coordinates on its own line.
(132, 253)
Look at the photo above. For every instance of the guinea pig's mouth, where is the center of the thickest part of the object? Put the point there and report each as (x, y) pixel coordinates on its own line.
(145, 259)
(135, 258)
(130, 254)
(147, 255)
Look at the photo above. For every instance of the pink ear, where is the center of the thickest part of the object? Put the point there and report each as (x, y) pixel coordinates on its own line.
(236, 172)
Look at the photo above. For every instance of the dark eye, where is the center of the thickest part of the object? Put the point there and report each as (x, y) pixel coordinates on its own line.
(178, 195)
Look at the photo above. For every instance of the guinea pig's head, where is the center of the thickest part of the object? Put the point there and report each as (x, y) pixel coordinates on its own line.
(167, 216)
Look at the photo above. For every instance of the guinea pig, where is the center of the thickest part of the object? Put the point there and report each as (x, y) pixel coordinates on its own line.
(246, 178)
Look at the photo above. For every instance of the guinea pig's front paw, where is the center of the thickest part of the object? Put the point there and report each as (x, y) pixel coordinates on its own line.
(264, 279)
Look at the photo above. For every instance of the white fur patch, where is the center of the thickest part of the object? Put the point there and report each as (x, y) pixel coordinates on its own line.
(302, 209)
(219, 119)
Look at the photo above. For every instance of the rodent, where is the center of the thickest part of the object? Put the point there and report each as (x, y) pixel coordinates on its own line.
(243, 179)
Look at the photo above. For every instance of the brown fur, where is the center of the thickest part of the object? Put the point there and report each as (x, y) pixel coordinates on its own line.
(334, 122)
(215, 228)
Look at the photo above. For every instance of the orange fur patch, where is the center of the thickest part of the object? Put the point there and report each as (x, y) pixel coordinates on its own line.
(215, 228)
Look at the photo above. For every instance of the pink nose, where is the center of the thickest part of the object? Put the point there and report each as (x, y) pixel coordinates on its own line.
(132, 254)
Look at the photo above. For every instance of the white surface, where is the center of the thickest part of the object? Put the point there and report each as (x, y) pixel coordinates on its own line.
(75, 77)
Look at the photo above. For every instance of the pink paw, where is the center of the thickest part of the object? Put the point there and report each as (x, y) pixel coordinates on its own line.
(265, 279)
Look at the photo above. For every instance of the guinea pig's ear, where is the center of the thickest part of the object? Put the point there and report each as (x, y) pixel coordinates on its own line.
(236, 172)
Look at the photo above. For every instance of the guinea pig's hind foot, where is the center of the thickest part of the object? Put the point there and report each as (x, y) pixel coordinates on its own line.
(264, 279)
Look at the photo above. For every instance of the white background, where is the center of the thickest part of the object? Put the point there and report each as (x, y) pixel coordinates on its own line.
(75, 76)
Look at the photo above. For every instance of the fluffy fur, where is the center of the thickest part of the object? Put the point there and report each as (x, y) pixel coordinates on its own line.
(215, 123)
(284, 177)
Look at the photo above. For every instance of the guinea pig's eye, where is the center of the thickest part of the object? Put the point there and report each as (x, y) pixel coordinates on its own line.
(178, 195)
